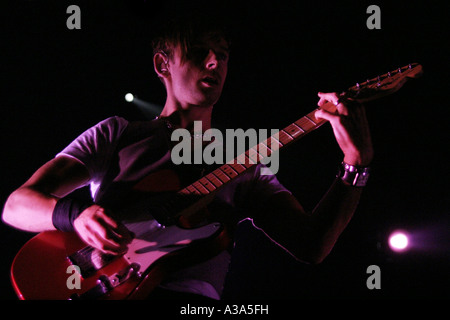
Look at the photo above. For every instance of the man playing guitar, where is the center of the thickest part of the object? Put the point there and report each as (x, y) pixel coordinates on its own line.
(117, 157)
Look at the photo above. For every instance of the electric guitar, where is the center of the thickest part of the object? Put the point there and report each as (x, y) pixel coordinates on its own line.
(59, 265)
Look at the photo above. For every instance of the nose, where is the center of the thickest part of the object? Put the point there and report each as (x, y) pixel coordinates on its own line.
(211, 60)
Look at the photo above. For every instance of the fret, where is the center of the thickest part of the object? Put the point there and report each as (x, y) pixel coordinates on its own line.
(246, 165)
(275, 138)
(192, 190)
(254, 155)
(229, 171)
(214, 180)
(306, 124)
(264, 149)
(237, 166)
(245, 160)
(206, 183)
(221, 175)
(310, 117)
(272, 143)
(184, 191)
(294, 130)
(285, 137)
(197, 185)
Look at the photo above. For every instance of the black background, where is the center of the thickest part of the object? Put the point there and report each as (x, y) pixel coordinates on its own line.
(58, 82)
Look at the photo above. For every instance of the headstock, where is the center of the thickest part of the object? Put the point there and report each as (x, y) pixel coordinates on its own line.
(385, 84)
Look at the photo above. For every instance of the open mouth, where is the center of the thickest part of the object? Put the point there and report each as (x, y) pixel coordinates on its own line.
(210, 81)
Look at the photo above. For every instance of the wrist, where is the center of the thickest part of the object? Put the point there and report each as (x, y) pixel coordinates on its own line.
(359, 158)
(353, 175)
(65, 212)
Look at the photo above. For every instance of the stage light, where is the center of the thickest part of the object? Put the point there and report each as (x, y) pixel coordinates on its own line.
(129, 97)
(149, 110)
(398, 241)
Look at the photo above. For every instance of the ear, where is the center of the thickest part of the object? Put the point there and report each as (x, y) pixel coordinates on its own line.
(161, 64)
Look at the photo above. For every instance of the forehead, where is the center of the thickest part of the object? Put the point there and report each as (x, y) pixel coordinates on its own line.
(196, 49)
(208, 41)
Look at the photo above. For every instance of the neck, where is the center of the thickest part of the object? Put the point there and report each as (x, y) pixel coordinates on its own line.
(184, 117)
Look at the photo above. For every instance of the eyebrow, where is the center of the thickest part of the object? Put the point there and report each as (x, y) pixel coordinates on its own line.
(227, 49)
(216, 41)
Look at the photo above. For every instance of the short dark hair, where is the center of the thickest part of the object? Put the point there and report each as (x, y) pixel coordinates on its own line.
(187, 31)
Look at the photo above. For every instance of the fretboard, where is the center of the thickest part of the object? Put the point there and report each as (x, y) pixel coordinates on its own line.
(254, 155)
(369, 90)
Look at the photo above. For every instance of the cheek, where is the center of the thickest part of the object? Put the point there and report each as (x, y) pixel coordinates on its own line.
(182, 80)
(224, 72)
(187, 77)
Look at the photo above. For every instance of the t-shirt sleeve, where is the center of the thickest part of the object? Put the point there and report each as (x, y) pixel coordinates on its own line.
(266, 184)
(253, 187)
(95, 146)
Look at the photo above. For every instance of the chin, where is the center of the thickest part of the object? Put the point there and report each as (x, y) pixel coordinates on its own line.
(209, 100)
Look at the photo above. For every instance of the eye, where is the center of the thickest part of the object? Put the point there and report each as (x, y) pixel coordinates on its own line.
(198, 54)
(222, 56)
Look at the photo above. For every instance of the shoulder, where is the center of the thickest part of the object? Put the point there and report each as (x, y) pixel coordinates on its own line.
(107, 130)
(114, 123)
(140, 129)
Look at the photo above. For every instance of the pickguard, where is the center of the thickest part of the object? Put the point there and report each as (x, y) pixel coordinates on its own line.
(153, 240)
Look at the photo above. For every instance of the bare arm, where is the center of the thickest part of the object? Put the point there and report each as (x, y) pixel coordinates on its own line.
(311, 237)
(30, 207)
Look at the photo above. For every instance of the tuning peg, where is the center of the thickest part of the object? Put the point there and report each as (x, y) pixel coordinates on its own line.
(389, 74)
(357, 85)
(399, 70)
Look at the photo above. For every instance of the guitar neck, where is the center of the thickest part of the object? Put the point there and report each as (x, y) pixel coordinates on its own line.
(255, 155)
(369, 90)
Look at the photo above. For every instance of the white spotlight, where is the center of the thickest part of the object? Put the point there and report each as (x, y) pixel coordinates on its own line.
(129, 97)
(398, 241)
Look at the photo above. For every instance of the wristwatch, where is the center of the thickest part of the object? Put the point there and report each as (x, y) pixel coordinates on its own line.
(354, 175)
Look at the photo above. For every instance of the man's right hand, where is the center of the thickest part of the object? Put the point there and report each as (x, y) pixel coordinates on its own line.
(95, 227)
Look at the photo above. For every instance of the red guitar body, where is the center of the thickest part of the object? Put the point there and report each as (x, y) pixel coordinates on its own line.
(39, 270)
(43, 268)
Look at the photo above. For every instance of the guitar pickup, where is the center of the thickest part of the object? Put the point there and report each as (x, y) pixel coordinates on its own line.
(89, 260)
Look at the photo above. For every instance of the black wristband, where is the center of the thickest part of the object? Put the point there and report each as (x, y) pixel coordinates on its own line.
(65, 213)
